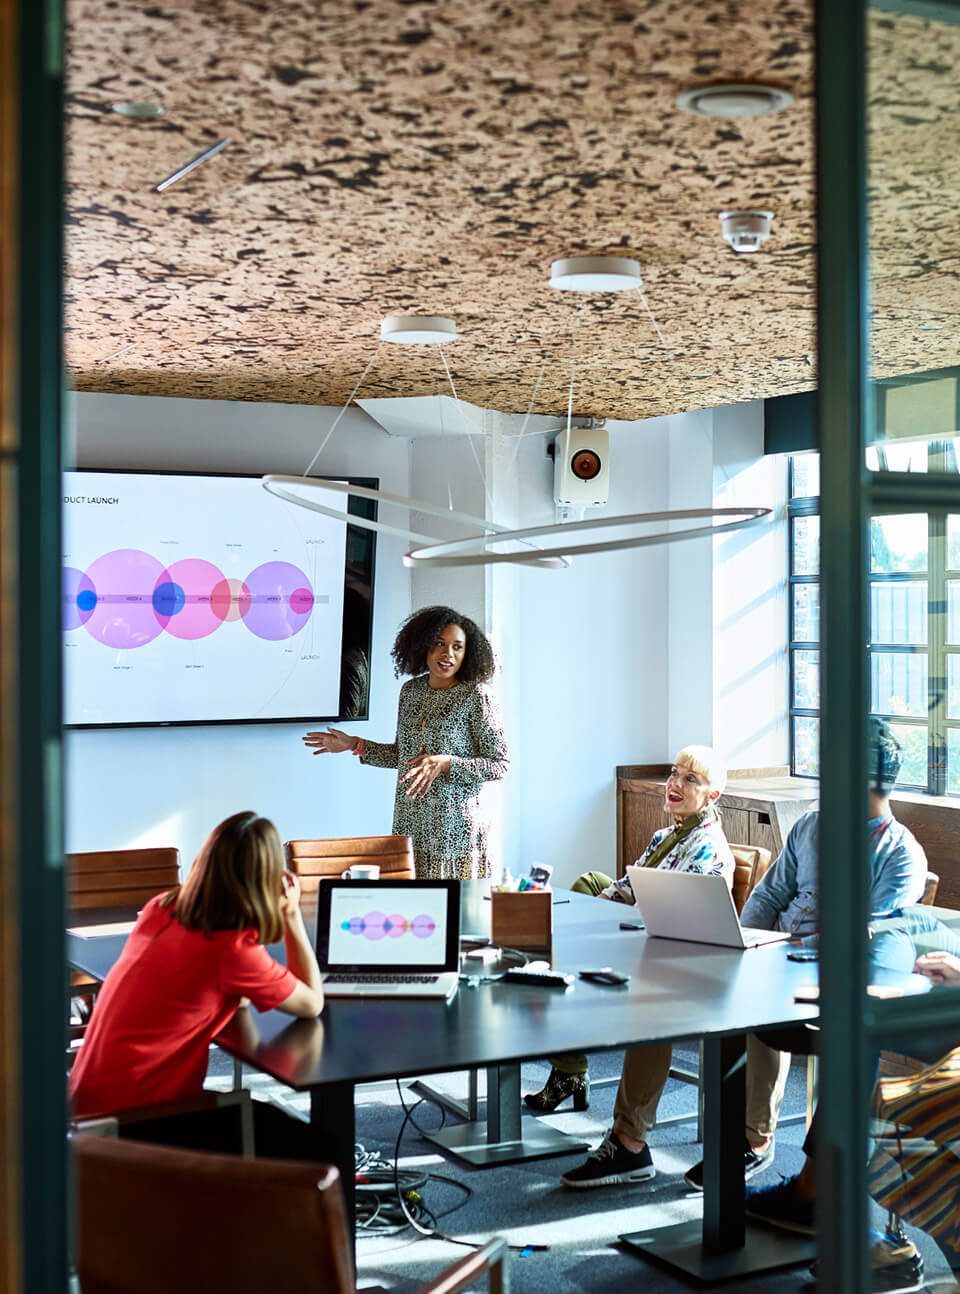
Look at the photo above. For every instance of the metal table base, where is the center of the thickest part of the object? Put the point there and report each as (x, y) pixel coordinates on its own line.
(681, 1247)
(502, 1139)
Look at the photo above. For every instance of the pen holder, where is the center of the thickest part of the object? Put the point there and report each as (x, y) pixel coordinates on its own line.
(522, 919)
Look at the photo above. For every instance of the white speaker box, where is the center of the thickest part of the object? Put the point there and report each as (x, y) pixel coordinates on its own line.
(581, 467)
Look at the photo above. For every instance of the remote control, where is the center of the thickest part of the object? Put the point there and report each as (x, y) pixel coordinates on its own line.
(540, 979)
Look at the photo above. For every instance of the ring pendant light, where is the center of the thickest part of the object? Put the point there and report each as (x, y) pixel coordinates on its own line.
(418, 330)
(475, 550)
(588, 274)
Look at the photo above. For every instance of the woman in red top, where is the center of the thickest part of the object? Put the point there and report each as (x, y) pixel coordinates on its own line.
(194, 956)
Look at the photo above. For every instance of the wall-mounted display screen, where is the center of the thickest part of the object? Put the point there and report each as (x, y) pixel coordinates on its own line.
(204, 599)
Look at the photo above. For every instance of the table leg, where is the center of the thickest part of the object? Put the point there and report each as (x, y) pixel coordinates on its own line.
(502, 1139)
(333, 1127)
(723, 1245)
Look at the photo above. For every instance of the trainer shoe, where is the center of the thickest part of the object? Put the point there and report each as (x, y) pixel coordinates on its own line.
(781, 1206)
(610, 1165)
(895, 1265)
(754, 1161)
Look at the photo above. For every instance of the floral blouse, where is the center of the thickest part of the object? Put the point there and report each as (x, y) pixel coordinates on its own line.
(704, 850)
(448, 825)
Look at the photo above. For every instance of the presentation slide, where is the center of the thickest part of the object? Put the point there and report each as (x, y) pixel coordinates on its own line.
(378, 927)
(197, 599)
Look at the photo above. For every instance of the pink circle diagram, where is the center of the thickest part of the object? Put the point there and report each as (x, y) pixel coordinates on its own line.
(377, 925)
(125, 616)
(196, 617)
(127, 598)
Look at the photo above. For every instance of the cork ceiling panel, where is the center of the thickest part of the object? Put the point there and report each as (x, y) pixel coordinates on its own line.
(434, 156)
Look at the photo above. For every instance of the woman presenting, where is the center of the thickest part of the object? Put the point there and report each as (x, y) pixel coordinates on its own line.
(449, 742)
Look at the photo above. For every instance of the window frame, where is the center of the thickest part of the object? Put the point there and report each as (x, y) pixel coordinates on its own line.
(938, 650)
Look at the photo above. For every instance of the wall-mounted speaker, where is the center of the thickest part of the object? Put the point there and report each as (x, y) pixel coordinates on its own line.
(581, 473)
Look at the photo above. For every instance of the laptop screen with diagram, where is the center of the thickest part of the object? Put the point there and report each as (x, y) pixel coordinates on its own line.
(397, 927)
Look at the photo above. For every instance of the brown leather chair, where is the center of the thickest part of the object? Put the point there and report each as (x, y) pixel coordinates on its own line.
(930, 888)
(151, 1218)
(119, 878)
(750, 863)
(312, 860)
(107, 879)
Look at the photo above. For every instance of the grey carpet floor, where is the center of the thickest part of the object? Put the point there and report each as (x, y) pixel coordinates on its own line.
(526, 1202)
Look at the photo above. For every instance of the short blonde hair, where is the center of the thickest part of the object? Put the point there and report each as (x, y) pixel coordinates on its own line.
(707, 762)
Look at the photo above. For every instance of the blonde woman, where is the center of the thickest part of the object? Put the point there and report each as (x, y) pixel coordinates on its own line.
(695, 843)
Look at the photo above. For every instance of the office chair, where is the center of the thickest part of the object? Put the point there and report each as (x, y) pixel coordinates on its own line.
(150, 1219)
(108, 879)
(312, 860)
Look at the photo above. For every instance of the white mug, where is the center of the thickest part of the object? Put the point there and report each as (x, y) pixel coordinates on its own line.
(362, 872)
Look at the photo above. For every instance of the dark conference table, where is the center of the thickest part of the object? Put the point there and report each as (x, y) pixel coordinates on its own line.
(677, 990)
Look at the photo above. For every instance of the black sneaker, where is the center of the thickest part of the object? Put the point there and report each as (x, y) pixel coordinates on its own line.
(781, 1206)
(895, 1265)
(754, 1161)
(610, 1164)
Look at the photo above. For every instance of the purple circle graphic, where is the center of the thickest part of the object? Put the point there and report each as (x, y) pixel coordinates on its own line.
(398, 926)
(272, 613)
(355, 925)
(79, 598)
(198, 580)
(124, 616)
(423, 927)
(375, 925)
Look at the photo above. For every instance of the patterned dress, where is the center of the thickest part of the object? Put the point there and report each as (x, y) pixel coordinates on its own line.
(448, 825)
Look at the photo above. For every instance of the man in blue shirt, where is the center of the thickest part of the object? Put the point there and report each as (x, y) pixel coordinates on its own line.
(786, 899)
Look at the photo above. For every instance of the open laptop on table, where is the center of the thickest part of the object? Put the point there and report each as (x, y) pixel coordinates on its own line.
(394, 938)
(697, 908)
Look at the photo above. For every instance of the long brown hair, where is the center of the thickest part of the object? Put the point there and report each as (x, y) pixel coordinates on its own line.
(236, 881)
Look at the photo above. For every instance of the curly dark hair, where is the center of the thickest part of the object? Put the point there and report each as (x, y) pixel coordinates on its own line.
(419, 632)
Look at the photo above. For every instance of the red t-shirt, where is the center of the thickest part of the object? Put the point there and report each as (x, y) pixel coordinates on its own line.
(170, 991)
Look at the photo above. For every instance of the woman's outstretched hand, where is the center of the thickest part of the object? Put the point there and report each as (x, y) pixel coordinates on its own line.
(941, 967)
(422, 771)
(330, 742)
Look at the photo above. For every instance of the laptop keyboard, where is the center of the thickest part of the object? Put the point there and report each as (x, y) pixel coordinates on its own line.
(380, 979)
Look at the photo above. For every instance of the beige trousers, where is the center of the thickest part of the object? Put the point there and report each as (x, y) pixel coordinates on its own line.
(644, 1076)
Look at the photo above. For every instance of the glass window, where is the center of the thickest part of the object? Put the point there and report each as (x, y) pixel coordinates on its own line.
(806, 545)
(953, 542)
(806, 746)
(898, 683)
(806, 613)
(806, 680)
(913, 738)
(953, 611)
(805, 479)
(898, 544)
(953, 686)
(914, 619)
(898, 612)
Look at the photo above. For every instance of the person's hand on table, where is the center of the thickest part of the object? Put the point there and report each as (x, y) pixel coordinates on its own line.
(941, 967)
(421, 773)
(330, 742)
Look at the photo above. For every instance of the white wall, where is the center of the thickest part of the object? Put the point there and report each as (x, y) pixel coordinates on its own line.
(135, 786)
(750, 592)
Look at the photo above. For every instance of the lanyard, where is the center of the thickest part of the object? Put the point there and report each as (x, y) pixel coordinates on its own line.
(879, 830)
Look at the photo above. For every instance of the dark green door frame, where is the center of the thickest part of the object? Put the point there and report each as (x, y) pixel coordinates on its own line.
(38, 739)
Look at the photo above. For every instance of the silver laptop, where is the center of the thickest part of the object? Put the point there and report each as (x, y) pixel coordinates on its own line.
(389, 938)
(688, 905)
